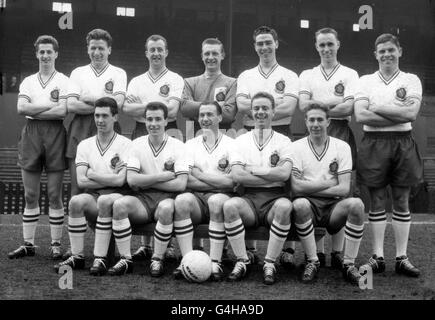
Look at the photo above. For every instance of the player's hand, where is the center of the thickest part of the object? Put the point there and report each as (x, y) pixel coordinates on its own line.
(166, 176)
(88, 99)
(278, 101)
(119, 166)
(133, 99)
(90, 174)
(196, 172)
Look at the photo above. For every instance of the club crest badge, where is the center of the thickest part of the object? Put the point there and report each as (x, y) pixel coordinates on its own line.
(339, 89)
(274, 159)
(164, 90)
(169, 165)
(54, 95)
(280, 86)
(113, 162)
(108, 87)
(220, 94)
(401, 94)
(333, 167)
(220, 97)
(223, 163)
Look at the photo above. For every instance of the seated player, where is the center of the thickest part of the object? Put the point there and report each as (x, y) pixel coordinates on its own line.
(101, 172)
(157, 169)
(42, 99)
(210, 185)
(262, 174)
(320, 183)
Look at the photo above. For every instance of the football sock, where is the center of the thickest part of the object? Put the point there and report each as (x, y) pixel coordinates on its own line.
(401, 224)
(184, 233)
(305, 232)
(30, 221)
(216, 232)
(337, 241)
(77, 231)
(353, 235)
(378, 222)
(56, 224)
(277, 236)
(122, 233)
(236, 235)
(162, 235)
(103, 232)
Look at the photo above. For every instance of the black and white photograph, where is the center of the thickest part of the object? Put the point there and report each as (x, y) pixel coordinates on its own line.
(217, 156)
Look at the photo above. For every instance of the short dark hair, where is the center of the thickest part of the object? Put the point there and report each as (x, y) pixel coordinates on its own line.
(325, 31)
(156, 37)
(265, 30)
(387, 37)
(107, 102)
(316, 106)
(156, 105)
(208, 103)
(213, 41)
(263, 94)
(46, 39)
(99, 34)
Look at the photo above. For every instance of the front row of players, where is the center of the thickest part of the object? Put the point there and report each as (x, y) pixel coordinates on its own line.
(230, 184)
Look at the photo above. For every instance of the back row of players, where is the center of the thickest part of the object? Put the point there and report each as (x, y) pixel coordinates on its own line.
(257, 164)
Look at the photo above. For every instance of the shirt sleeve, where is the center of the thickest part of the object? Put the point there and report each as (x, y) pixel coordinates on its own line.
(237, 157)
(133, 162)
(242, 86)
(292, 85)
(63, 90)
(120, 84)
(74, 89)
(230, 108)
(304, 83)
(345, 159)
(177, 90)
(181, 165)
(132, 87)
(361, 92)
(286, 150)
(415, 88)
(351, 87)
(295, 158)
(25, 90)
(81, 155)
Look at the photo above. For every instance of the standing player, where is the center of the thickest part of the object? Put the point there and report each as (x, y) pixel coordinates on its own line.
(157, 169)
(87, 84)
(157, 84)
(101, 172)
(42, 99)
(263, 172)
(331, 84)
(212, 85)
(388, 101)
(320, 182)
(210, 183)
(269, 76)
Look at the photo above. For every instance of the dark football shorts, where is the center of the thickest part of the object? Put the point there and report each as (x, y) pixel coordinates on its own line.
(389, 158)
(202, 198)
(42, 145)
(151, 198)
(80, 128)
(261, 201)
(141, 130)
(322, 208)
(340, 129)
(124, 190)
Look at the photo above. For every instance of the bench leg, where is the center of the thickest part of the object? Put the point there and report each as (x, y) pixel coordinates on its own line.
(111, 251)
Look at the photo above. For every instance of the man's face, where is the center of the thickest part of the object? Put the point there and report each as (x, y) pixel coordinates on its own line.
(317, 123)
(388, 54)
(156, 53)
(327, 46)
(262, 112)
(99, 51)
(155, 122)
(104, 120)
(208, 117)
(265, 46)
(46, 54)
(212, 56)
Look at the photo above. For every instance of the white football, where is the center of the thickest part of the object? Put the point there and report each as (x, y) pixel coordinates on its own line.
(196, 266)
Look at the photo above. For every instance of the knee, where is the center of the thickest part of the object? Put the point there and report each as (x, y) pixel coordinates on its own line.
(31, 196)
(302, 209)
(55, 197)
(215, 207)
(104, 205)
(355, 207)
(282, 210)
(166, 212)
(400, 202)
(120, 209)
(231, 210)
(75, 206)
(183, 204)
